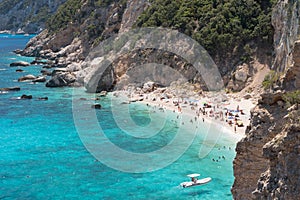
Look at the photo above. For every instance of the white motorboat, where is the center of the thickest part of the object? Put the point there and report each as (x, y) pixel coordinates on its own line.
(195, 181)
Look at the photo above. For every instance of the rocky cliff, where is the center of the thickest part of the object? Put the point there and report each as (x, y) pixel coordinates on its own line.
(80, 25)
(26, 16)
(267, 160)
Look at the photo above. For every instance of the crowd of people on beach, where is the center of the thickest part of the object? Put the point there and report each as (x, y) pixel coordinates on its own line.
(215, 112)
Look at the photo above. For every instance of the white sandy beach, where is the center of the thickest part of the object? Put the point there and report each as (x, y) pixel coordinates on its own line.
(220, 105)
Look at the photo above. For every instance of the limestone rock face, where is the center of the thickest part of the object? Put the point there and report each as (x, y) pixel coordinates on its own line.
(250, 161)
(292, 78)
(267, 161)
(281, 180)
(133, 10)
(285, 20)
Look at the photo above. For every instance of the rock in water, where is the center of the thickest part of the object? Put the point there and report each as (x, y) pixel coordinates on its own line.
(39, 79)
(61, 79)
(46, 72)
(28, 77)
(10, 89)
(20, 63)
(24, 96)
(103, 93)
(18, 51)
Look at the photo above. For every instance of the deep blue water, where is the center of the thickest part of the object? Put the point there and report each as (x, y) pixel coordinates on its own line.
(43, 152)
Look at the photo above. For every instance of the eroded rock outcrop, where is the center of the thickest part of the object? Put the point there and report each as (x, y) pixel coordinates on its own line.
(250, 162)
(267, 161)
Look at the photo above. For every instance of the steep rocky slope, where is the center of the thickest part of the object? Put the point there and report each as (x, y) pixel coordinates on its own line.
(75, 30)
(267, 161)
(27, 16)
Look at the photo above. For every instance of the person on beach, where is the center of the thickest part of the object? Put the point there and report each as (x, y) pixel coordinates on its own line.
(179, 108)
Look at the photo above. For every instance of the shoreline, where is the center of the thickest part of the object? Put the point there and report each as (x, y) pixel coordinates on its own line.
(215, 115)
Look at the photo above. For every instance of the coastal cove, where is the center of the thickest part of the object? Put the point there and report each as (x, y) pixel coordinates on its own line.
(43, 157)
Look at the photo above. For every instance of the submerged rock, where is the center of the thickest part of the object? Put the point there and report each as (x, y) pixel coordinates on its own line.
(43, 98)
(97, 106)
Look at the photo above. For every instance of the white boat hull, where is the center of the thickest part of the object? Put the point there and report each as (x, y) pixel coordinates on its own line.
(198, 182)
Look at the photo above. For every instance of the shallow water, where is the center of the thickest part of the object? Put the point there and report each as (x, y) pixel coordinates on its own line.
(43, 154)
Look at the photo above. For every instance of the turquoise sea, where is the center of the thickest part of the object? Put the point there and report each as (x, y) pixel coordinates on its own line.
(43, 152)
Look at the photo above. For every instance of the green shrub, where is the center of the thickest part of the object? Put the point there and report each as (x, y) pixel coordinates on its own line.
(271, 79)
(292, 98)
(65, 14)
(220, 26)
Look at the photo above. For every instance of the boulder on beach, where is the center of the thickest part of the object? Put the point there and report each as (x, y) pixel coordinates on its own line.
(241, 74)
(24, 96)
(28, 77)
(10, 89)
(19, 64)
(61, 79)
(149, 87)
(247, 96)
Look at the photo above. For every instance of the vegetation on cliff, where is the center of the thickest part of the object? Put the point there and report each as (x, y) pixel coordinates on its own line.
(220, 26)
(27, 15)
(72, 11)
(65, 14)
